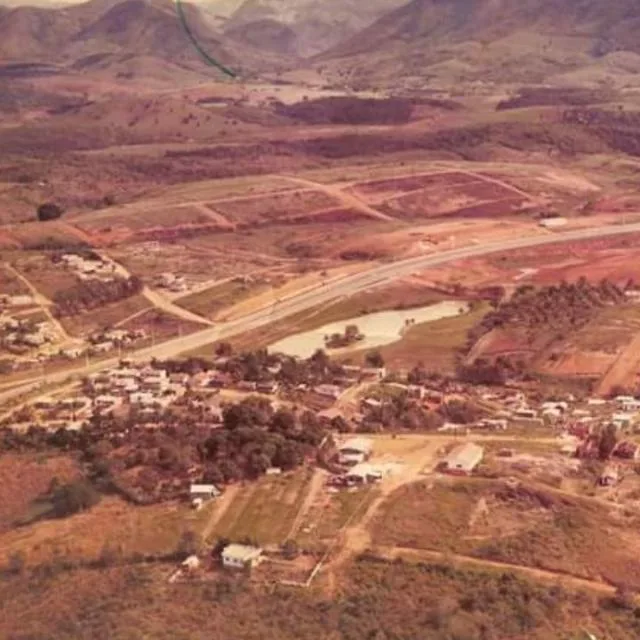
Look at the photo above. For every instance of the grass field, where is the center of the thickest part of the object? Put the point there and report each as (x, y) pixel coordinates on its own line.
(125, 528)
(104, 317)
(265, 511)
(325, 521)
(530, 526)
(210, 302)
(23, 478)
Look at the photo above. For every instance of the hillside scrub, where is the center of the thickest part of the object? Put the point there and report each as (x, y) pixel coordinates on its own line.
(93, 294)
(349, 110)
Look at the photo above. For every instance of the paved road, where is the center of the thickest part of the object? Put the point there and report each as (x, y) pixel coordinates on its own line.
(344, 286)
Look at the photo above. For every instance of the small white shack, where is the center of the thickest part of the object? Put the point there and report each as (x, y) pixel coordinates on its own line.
(241, 556)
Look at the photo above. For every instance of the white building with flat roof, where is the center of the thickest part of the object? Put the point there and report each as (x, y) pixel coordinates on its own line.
(464, 458)
(241, 556)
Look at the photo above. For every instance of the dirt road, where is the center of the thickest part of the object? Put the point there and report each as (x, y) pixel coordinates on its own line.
(221, 506)
(356, 538)
(45, 305)
(346, 199)
(155, 298)
(422, 555)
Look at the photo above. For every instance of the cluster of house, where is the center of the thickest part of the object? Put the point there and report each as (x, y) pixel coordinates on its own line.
(68, 413)
(354, 455)
(233, 556)
(25, 333)
(144, 388)
(94, 268)
(110, 339)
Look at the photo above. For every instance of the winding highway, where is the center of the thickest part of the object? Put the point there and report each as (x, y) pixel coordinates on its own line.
(331, 290)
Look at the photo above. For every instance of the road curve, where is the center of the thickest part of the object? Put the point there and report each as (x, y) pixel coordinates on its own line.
(343, 286)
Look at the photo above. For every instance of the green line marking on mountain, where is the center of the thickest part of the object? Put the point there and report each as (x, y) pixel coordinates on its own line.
(194, 41)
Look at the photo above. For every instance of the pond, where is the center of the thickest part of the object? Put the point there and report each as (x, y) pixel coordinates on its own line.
(379, 329)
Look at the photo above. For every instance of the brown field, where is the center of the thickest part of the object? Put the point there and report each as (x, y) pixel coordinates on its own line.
(9, 284)
(471, 199)
(27, 477)
(199, 260)
(129, 529)
(375, 190)
(48, 278)
(48, 235)
(525, 526)
(136, 219)
(158, 325)
(274, 207)
(105, 317)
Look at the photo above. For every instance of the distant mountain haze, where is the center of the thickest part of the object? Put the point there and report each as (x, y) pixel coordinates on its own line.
(317, 25)
(497, 40)
(98, 33)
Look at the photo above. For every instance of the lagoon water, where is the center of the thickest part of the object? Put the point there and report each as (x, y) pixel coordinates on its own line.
(379, 329)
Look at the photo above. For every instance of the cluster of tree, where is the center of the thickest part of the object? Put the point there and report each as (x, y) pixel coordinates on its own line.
(549, 96)
(349, 110)
(554, 309)
(399, 412)
(71, 498)
(349, 336)
(49, 211)
(92, 294)
(485, 371)
(149, 465)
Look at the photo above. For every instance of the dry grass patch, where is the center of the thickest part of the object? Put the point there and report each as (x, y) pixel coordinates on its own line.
(525, 525)
(113, 524)
(104, 317)
(23, 478)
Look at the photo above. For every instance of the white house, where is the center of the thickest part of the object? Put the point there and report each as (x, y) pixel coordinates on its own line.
(354, 451)
(241, 556)
(203, 491)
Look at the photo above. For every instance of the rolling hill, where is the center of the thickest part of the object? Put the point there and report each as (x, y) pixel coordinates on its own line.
(317, 26)
(103, 33)
(494, 40)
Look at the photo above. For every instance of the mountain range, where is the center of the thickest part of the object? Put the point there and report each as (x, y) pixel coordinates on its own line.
(489, 40)
(373, 43)
(103, 33)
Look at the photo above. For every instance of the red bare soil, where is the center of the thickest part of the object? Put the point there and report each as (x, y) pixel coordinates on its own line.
(274, 207)
(584, 364)
(411, 183)
(339, 215)
(492, 209)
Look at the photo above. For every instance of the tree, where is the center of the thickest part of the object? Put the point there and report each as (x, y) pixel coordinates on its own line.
(374, 359)
(72, 498)
(49, 211)
(188, 544)
(608, 441)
